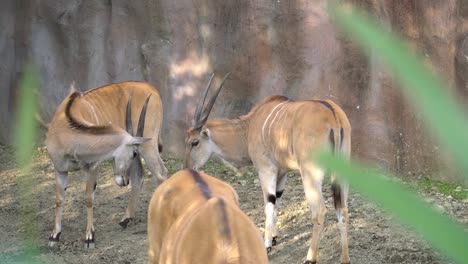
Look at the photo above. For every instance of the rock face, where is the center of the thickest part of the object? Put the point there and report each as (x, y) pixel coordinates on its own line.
(270, 47)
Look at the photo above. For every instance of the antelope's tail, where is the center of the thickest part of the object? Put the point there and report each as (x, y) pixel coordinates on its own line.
(335, 186)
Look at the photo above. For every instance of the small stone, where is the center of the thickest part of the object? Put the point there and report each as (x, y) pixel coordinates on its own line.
(396, 258)
(257, 182)
(429, 200)
(458, 189)
(440, 208)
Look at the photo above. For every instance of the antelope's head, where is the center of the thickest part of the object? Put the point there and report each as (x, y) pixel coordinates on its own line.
(198, 143)
(127, 161)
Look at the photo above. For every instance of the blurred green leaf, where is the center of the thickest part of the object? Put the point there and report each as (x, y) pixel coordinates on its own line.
(25, 132)
(25, 135)
(439, 230)
(443, 114)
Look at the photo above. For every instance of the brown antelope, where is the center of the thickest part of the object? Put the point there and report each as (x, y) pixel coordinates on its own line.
(97, 125)
(276, 136)
(195, 218)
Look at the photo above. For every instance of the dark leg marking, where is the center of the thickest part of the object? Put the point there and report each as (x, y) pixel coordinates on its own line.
(65, 189)
(268, 249)
(55, 239)
(272, 198)
(125, 222)
(160, 148)
(273, 242)
(309, 262)
(279, 194)
(94, 188)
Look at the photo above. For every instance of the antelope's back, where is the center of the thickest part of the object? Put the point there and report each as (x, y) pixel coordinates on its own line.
(183, 192)
(217, 232)
(106, 105)
(289, 130)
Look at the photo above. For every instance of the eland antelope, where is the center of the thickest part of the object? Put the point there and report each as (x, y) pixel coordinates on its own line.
(195, 218)
(97, 125)
(277, 136)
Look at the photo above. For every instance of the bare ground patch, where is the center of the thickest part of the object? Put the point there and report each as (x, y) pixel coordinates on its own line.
(374, 236)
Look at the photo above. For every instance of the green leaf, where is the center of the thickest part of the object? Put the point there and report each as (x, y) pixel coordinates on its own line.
(444, 115)
(25, 135)
(25, 132)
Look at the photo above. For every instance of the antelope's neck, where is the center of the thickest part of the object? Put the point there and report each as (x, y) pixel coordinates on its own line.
(230, 137)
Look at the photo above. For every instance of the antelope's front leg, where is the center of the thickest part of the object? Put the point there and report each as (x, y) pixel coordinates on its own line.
(136, 182)
(279, 193)
(268, 179)
(61, 179)
(90, 189)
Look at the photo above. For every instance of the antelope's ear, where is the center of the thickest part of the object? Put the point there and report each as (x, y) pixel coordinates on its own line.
(205, 133)
(138, 140)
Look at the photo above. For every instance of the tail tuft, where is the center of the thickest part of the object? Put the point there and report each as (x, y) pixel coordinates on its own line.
(337, 197)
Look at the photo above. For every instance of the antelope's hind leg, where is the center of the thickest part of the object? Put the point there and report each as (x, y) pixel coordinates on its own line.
(90, 190)
(340, 191)
(61, 179)
(312, 180)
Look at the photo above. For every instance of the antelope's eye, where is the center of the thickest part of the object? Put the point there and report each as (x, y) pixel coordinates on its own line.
(135, 154)
(195, 143)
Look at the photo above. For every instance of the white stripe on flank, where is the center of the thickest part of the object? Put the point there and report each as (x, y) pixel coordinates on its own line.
(266, 120)
(271, 123)
(94, 113)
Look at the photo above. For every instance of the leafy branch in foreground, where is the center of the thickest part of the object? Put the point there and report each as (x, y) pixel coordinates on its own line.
(439, 230)
(442, 114)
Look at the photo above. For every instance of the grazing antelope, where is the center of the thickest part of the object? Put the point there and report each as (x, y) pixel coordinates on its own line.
(276, 136)
(195, 218)
(97, 125)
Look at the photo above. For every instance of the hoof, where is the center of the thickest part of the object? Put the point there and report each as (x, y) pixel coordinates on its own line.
(89, 244)
(124, 222)
(53, 240)
(273, 242)
(90, 241)
(309, 262)
(268, 249)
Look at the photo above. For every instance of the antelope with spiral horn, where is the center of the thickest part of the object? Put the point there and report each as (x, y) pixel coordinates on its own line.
(97, 125)
(277, 136)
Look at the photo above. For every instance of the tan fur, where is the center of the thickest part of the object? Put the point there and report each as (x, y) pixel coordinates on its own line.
(277, 136)
(72, 149)
(190, 223)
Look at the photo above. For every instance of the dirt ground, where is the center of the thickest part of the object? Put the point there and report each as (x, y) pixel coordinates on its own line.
(374, 236)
